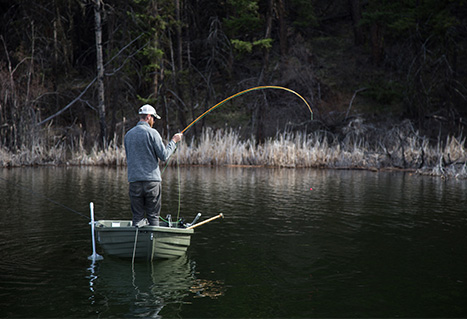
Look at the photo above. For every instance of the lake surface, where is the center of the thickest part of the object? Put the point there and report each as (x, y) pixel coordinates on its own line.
(293, 243)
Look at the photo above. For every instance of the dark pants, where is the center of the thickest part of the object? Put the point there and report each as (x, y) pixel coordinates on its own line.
(145, 197)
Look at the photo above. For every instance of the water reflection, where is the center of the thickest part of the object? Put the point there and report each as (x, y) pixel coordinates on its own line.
(154, 289)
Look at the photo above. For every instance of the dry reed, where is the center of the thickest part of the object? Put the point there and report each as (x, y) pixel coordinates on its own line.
(357, 147)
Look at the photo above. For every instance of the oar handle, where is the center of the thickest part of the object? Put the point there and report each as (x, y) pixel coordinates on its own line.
(206, 221)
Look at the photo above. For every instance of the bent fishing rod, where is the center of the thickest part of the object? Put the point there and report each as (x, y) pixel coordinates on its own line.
(256, 88)
(243, 92)
(228, 99)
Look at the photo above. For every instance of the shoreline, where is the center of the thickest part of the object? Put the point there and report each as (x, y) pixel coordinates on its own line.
(429, 172)
(411, 153)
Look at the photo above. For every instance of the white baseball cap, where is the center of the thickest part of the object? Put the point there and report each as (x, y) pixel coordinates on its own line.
(148, 109)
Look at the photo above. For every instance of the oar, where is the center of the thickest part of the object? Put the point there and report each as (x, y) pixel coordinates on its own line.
(206, 221)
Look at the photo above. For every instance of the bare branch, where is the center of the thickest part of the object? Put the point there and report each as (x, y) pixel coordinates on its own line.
(78, 98)
(69, 104)
(351, 101)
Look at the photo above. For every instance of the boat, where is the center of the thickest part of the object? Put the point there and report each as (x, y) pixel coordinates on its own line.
(121, 238)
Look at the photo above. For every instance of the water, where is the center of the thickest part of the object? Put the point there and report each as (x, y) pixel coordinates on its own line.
(359, 244)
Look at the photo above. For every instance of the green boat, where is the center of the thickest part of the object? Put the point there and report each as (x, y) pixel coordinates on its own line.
(120, 238)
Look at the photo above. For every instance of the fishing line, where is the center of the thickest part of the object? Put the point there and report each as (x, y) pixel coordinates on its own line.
(168, 160)
(178, 174)
(165, 220)
(179, 186)
(45, 197)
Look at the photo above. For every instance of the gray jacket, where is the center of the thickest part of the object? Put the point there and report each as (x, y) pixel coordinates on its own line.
(144, 148)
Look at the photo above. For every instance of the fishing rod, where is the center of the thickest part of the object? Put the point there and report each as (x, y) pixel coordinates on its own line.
(237, 95)
(243, 92)
(228, 99)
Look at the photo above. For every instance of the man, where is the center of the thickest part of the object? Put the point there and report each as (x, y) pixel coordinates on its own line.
(144, 148)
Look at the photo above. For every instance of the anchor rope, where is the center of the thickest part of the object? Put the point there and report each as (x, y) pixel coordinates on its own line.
(134, 252)
(133, 273)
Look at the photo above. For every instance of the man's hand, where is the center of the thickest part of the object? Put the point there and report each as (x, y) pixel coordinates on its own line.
(177, 137)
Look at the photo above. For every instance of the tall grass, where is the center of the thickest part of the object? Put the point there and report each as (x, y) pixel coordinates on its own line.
(320, 150)
(357, 146)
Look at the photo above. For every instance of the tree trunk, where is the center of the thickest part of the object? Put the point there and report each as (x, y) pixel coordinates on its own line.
(100, 72)
(158, 77)
(267, 34)
(376, 35)
(356, 14)
(179, 35)
(282, 28)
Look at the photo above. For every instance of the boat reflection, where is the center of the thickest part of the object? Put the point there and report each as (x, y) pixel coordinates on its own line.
(155, 289)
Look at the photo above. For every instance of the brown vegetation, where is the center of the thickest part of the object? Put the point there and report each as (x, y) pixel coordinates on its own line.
(399, 148)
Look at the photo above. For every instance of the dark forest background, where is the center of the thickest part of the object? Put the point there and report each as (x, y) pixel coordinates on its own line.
(76, 71)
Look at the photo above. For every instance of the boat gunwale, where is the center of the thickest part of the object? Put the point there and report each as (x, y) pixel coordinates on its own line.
(100, 226)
